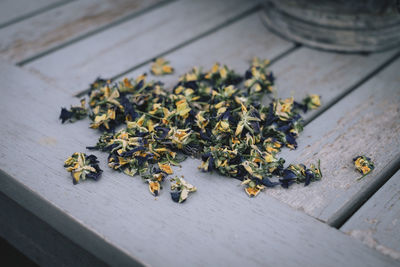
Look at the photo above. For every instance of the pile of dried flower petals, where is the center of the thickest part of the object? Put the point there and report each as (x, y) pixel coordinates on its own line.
(216, 116)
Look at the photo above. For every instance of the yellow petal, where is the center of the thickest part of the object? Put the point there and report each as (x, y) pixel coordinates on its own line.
(167, 69)
(223, 73)
(214, 68)
(101, 118)
(127, 83)
(154, 187)
(141, 120)
(165, 168)
(76, 176)
(252, 191)
(239, 129)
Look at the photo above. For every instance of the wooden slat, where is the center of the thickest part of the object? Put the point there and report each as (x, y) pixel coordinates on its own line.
(138, 40)
(117, 219)
(64, 24)
(377, 223)
(12, 11)
(234, 45)
(365, 122)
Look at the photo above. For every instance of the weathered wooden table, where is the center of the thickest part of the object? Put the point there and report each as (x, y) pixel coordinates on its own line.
(51, 50)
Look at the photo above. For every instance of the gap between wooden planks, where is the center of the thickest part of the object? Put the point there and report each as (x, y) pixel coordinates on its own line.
(377, 222)
(14, 11)
(37, 36)
(115, 50)
(117, 220)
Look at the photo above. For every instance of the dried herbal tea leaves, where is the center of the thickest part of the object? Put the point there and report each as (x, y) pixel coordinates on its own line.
(161, 67)
(299, 173)
(82, 166)
(74, 113)
(294, 173)
(180, 189)
(364, 165)
(214, 115)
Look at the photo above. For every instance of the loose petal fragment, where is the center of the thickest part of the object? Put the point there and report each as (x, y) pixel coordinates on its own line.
(364, 165)
(82, 166)
(161, 67)
(180, 189)
(74, 113)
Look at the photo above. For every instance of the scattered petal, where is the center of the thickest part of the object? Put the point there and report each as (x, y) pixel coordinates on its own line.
(364, 165)
(75, 113)
(82, 166)
(161, 67)
(180, 189)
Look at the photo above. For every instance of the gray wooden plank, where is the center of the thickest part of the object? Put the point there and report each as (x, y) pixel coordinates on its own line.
(37, 240)
(115, 50)
(365, 122)
(64, 24)
(118, 220)
(234, 45)
(12, 11)
(377, 222)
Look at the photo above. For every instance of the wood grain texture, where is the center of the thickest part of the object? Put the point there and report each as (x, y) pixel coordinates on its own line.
(377, 223)
(118, 220)
(365, 122)
(234, 45)
(129, 44)
(14, 10)
(37, 240)
(36, 35)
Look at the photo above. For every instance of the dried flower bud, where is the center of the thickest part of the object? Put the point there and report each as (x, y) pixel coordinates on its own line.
(180, 189)
(364, 165)
(161, 67)
(82, 166)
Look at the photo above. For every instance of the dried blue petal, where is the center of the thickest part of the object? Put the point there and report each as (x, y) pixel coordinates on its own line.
(75, 113)
(288, 174)
(268, 183)
(175, 196)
